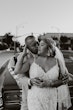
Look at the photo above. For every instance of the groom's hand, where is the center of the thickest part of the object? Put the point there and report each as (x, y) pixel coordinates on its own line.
(35, 81)
(39, 82)
(65, 79)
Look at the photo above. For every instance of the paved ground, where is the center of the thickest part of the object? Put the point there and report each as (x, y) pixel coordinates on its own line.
(4, 56)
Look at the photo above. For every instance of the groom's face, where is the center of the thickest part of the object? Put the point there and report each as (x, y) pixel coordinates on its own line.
(32, 45)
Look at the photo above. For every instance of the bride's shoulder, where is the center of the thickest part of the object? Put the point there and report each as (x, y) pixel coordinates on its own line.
(52, 60)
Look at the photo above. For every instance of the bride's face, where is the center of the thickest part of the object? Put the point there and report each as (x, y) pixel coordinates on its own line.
(42, 48)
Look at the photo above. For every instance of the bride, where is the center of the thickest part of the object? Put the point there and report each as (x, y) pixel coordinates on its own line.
(46, 67)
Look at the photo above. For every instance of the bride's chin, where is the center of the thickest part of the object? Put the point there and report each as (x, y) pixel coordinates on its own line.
(39, 54)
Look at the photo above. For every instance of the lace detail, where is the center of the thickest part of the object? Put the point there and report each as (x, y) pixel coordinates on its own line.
(43, 98)
(46, 98)
(37, 71)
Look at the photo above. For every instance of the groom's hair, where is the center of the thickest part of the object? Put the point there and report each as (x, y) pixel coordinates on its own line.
(29, 38)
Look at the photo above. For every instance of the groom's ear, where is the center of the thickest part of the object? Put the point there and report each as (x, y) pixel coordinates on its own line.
(38, 43)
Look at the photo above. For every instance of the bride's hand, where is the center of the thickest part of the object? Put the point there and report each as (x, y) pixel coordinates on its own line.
(25, 49)
(24, 53)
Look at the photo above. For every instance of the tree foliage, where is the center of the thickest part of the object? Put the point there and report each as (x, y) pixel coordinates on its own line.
(63, 39)
(7, 42)
(8, 39)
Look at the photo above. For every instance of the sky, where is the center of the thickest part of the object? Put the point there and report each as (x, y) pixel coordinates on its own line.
(22, 17)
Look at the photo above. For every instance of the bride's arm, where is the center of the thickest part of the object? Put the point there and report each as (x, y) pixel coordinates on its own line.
(21, 65)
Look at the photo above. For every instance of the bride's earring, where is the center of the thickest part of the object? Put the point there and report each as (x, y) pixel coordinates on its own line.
(48, 54)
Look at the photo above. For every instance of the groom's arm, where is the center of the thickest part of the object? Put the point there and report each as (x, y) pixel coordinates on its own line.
(60, 82)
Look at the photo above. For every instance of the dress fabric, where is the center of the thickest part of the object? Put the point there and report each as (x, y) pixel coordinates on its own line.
(43, 98)
(64, 100)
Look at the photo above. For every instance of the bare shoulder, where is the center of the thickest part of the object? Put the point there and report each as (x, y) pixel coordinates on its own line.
(52, 60)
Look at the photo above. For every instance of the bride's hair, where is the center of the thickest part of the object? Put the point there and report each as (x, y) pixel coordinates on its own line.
(49, 46)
